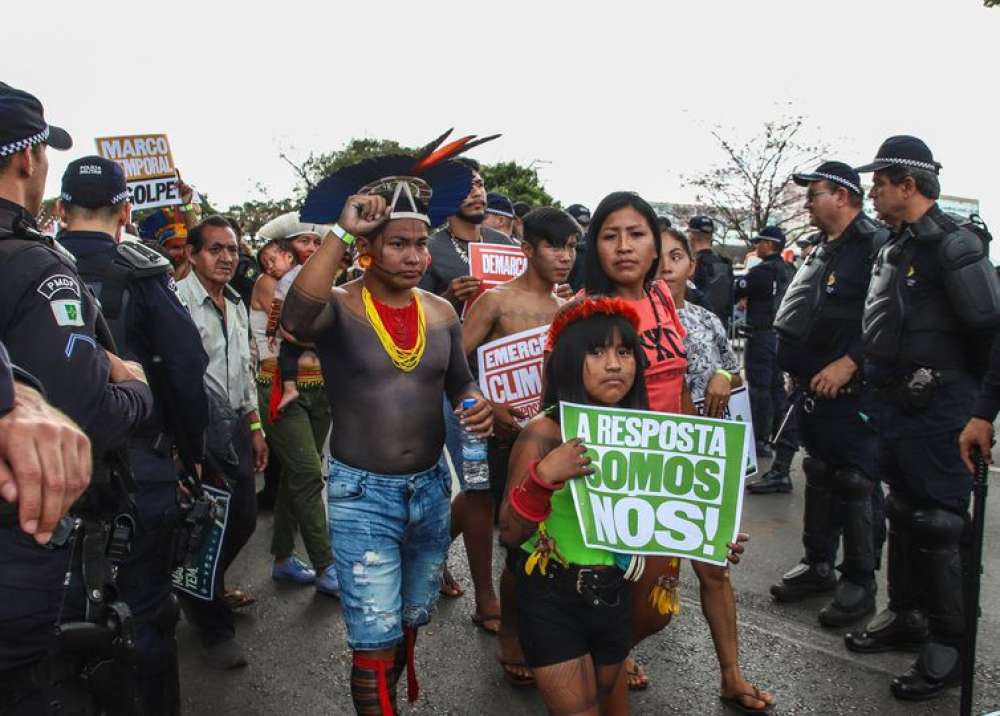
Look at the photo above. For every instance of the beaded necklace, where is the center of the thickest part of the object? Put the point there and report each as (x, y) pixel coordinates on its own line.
(400, 330)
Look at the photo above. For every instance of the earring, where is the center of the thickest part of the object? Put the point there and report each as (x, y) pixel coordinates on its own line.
(365, 261)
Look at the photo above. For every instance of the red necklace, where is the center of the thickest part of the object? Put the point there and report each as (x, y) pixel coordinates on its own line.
(401, 323)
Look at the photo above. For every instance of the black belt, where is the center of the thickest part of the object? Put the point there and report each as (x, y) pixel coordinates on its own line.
(598, 586)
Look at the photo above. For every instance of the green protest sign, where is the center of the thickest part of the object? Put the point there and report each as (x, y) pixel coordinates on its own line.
(663, 484)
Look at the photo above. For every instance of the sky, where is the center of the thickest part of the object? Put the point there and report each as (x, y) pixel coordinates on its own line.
(600, 96)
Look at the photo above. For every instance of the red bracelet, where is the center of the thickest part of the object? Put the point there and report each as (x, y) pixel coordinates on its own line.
(532, 499)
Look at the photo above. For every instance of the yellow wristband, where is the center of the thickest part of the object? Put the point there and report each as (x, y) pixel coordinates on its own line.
(254, 427)
(723, 371)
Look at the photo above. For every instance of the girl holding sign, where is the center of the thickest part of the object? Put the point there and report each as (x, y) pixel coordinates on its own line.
(624, 261)
(573, 605)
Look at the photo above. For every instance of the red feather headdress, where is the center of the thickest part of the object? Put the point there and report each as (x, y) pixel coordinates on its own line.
(585, 308)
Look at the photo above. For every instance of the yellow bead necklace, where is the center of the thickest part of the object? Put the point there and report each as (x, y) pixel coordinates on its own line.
(404, 359)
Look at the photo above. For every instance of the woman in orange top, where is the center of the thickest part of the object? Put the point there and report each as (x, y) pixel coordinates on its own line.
(622, 260)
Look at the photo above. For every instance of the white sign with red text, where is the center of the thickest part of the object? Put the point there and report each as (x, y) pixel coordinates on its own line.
(510, 369)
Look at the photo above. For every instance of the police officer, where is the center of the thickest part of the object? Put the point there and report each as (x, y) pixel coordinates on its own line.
(150, 326)
(582, 216)
(713, 274)
(819, 344)
(48, 322)
(762, 288)
(932, 309)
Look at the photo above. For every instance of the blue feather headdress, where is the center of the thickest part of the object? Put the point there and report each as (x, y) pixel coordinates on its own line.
(427, 186)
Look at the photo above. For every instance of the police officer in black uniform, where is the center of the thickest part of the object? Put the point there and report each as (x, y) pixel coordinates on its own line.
(762, 287)
(150, 326)
(49, 323)
(931, 313)
(713, 274)
(819, 344)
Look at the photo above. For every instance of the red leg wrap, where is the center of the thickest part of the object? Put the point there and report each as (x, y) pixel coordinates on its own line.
(276, 390)
(380, 667)
(412, 687)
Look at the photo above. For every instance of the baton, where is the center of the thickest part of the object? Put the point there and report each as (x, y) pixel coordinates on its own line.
(788, 416)
(979, 489)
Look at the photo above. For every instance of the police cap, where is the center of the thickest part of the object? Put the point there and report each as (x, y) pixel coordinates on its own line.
(702, 224)
(23, 125)
(521, 208)
(580, 213)
(836, 172)
(902, 150)
(499, 204)
(770, 233)
(93, 182)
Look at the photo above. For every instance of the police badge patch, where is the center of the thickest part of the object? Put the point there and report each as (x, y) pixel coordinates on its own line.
(68, 312)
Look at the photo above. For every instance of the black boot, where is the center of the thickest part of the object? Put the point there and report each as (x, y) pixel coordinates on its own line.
(903, 625)
(805, 580)
(855, 597)
(774, 480)
(937, 534)
(851, 602)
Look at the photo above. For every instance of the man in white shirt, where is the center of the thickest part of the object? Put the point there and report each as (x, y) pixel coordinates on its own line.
(235, 440)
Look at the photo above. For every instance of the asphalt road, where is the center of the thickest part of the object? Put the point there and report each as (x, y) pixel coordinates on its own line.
(299, 661)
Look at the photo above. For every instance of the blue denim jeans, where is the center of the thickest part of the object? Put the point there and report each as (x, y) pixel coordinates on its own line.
(390, 536)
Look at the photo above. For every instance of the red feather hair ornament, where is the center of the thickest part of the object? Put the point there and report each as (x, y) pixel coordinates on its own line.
(585, 308)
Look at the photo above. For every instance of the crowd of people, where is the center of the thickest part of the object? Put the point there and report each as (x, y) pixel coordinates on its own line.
(338, 360)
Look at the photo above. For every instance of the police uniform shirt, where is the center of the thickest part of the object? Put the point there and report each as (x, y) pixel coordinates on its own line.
(47, 321)
(449, 259)
(836, 330)
(161, 336)
(760, 288)
(6, 382)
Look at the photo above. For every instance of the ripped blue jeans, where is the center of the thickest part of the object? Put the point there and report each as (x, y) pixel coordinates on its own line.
(390, 536)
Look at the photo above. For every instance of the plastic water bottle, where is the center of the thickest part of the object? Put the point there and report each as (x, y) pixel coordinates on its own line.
(475, 468)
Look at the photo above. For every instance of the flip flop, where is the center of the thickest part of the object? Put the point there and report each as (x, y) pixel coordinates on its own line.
(480, 621)
(449, 586)
(238, 599)
(512, 678)
(734, 703)
(634, 676)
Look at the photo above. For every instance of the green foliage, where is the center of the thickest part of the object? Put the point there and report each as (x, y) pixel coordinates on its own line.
(518, 182)
(317, 166)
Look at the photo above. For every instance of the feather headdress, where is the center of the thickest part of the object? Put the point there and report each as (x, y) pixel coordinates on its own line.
(585, 308)
(427, 186)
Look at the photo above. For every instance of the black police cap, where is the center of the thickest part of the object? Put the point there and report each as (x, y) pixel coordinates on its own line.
(902, 150)
(702, 224)
(93, 182)
(836, 172)
(521, 208)
(23, 125)
(580, 213)
(499, 204)
(770, 233)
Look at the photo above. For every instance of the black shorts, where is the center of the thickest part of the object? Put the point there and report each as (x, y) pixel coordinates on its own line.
(555, 624)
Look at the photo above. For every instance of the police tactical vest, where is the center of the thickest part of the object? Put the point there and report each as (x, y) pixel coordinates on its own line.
(109, 278)
(719, 286)
(805, 300)
(930, 334)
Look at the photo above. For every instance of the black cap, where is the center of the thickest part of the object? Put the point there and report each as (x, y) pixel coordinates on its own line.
(836, 172)
(499, 204)
(811, 240)
(902, 150)
(701, 223)
(580, 213)
(93, 182)
(23, 125)
(770, 233)
(663, 223)
(521, 208)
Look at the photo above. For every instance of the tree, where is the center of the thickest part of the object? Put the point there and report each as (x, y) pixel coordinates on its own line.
(753, 187)
(518, 183)
(317, 166)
